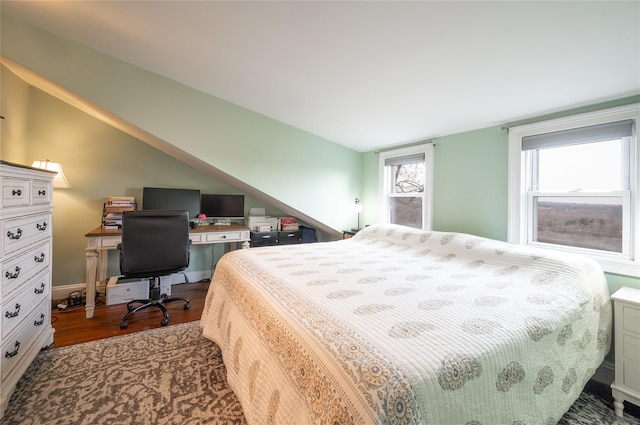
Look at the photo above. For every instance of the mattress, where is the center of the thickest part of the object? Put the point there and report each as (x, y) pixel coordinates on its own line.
(404, 326)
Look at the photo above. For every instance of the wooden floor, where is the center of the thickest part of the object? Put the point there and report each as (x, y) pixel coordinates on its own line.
(72, 327)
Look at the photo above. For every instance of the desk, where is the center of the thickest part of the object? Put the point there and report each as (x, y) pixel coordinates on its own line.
(100, 241)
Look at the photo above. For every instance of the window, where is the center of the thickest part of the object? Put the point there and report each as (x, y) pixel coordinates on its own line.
(406, 186)
(573, 186)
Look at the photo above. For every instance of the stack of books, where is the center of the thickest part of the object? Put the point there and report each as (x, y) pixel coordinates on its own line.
(288, 224)
(113, 209)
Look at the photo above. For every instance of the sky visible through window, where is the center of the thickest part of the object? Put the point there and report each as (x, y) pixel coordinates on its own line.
(585, 167)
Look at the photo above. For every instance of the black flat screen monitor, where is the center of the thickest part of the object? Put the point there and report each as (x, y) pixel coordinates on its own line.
(160, 198)
(222, 206)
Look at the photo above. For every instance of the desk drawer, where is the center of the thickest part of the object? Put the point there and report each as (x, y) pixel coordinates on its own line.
(264, 239)
(20, 232)
(18, 270)
(17, 308)
(287, 238)
(224, 237)
(110, 243)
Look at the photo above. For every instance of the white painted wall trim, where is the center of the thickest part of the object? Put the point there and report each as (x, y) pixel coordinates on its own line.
(62, 291)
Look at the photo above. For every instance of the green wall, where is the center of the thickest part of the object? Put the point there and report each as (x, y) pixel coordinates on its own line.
(99, 160)
(264, 154)
(470, 182)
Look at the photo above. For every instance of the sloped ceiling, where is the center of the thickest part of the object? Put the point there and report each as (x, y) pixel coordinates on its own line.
(370, 74)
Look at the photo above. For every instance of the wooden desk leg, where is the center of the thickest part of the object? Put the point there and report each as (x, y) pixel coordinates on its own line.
(245, 244)
(91, 269)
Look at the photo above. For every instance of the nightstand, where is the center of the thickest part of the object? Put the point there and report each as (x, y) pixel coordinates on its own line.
(346, 234)
(626, 386)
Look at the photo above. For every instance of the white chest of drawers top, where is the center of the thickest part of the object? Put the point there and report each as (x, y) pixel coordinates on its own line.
(25, 188)
(25, 270)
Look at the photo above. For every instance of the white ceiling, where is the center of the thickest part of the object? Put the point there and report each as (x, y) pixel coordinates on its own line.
(370, 74)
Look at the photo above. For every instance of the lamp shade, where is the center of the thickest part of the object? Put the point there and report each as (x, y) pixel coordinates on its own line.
(59, 181)
(357, 206)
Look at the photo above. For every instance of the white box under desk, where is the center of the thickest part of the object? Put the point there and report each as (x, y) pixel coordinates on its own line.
(121, 290)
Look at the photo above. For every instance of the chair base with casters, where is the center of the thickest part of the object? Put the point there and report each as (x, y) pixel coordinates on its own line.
(156, 300)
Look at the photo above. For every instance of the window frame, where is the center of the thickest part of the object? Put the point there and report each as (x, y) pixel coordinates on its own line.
(427, 197)
(521, 214)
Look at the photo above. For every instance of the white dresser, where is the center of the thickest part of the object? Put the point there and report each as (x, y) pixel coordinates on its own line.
(25, 268)
(626, 386)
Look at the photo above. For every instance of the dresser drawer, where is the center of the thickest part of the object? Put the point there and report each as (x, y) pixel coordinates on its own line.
(632, 374)
(18, 343)
(17, 270)
(41, 192)
(631, 347)
(17, 308)
(20, 232)
(631, 319)
(15, 192)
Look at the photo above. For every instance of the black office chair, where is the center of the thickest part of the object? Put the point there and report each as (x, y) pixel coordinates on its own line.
(154, 244)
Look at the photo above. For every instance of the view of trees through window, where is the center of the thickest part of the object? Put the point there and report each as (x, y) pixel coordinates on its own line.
(407, 193)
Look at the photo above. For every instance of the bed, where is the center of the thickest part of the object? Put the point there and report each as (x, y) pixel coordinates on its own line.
(404, 326)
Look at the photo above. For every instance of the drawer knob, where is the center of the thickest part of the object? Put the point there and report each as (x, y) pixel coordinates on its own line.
(16, 192)
(39, 259)
(13, 353)
(42, 226)
(16, 235)
(39, 322)
(42, 192)
(16, 311)
(40, 290)
(10, 275)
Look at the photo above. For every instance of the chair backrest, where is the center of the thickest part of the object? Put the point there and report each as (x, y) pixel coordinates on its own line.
(154, 243)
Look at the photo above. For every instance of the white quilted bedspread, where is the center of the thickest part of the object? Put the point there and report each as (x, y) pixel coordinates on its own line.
(403, 326)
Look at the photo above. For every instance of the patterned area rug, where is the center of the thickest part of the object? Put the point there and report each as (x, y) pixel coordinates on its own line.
(170, 375)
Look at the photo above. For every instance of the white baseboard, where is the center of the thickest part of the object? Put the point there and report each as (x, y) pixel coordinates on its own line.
(61, 292)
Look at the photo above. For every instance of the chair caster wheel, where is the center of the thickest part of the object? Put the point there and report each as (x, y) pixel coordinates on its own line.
(124, 325)
(186, 306)
(164, 322)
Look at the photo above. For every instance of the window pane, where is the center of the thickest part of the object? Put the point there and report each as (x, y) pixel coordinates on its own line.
(594, 223)
(406, 211)
(408, 178)
(589, 166)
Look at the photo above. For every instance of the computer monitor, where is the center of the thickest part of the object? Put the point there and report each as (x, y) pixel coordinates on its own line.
(222, 206)
(160, 198)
